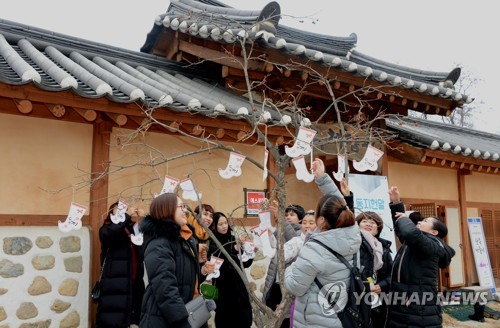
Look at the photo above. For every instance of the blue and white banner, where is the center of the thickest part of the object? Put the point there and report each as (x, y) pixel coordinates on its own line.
(371, 193)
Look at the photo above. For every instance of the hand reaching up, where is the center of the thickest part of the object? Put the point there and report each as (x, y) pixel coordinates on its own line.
(344, 187)
(318, 168)
(273, 207)
(394, 195)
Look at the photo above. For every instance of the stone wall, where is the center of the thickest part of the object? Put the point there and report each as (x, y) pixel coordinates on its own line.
(44, 277)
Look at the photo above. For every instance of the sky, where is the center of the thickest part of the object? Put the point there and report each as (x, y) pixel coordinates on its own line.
(427, 34)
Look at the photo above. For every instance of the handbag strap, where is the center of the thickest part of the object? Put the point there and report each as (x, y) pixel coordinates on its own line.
(340, 257)
(103, 264)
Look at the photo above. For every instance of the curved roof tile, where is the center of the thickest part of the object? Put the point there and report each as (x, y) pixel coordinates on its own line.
(449, 138)
(222, 23)
(57, 62)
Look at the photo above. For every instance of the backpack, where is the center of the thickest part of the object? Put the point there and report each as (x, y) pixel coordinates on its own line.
(353, 315)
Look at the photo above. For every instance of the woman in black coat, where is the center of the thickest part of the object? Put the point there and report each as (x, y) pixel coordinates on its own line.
(233, 304)
(371, 223)
(171, 260)
(416, 268)
(122, 284)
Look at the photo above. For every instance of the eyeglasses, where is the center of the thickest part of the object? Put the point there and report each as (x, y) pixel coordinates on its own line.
(182, 206)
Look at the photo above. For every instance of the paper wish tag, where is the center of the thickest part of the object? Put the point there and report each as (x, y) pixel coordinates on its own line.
(369, 161)
(266, 157)
(233, 168)
(302, 144)
(267, 249)
(265, 220)
(248, 251)
(188, 190)
(339, 175)
(218, 263)
(136, 237)
(121, 209)
(302, 172)
(169, 184)
(74, 219)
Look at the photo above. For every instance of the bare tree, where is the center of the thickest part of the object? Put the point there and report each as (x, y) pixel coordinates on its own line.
(353, 114)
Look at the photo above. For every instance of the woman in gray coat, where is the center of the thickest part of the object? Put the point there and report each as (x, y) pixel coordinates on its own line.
(339, 231)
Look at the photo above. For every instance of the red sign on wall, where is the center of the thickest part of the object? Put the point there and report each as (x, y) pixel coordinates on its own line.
(253, 200)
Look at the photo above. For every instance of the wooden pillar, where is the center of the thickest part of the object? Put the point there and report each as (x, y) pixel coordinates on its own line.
(464, 228)
(98, 196)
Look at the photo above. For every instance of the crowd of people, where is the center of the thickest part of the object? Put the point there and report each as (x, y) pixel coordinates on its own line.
(176, 253)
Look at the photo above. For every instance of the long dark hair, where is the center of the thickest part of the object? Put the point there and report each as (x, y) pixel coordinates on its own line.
(335, 212)
(163, 207)
(440, 227)
(111, 208)
(216, 217)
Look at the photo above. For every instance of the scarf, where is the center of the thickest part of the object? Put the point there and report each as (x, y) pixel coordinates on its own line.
(377, 250)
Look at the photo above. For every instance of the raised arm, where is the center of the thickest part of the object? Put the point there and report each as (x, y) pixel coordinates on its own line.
(323, 180)
(396, 204)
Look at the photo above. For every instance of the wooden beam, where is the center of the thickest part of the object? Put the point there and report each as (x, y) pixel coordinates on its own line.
(140, 121)
(241, 135)
(35, 220)
(68, 98)
(173, 127)
(252, 75)
(197, 130)
(24, 106)
(88, 114)
(279, 58)
(220, 133)
(405, 152)
(119, 119)
(101, 138)
(219, 57)
(57, 110)
(459, 158)
(464, 228)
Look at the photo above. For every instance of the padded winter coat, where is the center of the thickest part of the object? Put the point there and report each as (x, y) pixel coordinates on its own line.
(233, 305)
(172, 269)
(121, 296)
(314, 261)
(415, 275)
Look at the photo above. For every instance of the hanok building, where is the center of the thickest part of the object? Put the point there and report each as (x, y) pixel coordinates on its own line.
(75, 126)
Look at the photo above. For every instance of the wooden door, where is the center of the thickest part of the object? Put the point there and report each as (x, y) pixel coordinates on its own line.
(491, 227)
(426, 209)
(432, 209)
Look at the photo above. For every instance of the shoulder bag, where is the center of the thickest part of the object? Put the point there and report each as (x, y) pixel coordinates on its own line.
(96, 290)
(198, 311)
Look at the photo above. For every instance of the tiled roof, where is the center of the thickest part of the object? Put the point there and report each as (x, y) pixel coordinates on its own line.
(209, 19)
(448, 138)
(56, 62)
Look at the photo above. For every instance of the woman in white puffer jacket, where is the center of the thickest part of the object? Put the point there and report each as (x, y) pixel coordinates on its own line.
(339, 231)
